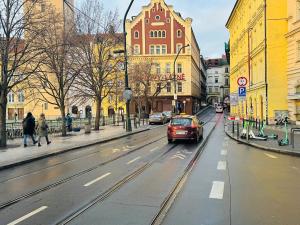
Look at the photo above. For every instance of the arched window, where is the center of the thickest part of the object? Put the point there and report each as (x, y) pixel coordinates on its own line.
(136, 34)
(155, 33)
(159, 33)
(151, 34)
(163, 34)
(179, 33)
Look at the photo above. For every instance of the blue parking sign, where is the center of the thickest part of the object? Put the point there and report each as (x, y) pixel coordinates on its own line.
(242, 91)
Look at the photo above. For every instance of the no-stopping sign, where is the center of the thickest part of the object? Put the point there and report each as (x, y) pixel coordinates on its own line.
(242, 81)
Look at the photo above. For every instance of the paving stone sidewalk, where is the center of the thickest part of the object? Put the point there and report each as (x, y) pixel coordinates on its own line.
(16, 154)
(269, 145)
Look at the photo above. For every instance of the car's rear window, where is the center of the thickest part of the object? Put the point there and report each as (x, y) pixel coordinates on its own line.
(181, 122)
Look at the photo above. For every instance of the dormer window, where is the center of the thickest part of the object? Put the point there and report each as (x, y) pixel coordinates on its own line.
(179, 33)
(136, 35)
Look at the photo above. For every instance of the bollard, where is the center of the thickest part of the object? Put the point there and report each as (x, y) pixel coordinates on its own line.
(238, 130)
(233, 127)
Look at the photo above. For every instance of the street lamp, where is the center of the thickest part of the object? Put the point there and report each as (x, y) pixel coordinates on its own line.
(174, 77)
(222, 96)
(127, 89)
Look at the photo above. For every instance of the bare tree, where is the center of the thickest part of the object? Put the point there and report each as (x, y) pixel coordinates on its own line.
(95, 47)
(20, 25)
(146, 84)
(57, 70)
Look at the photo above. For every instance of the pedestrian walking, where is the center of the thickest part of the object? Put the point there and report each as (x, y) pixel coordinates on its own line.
(42, 129)
(29, 128)
(69, 121)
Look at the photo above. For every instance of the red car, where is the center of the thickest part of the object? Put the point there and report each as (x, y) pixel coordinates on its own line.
(185, 127)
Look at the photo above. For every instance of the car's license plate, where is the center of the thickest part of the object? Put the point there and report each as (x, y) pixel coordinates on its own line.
(180, 132)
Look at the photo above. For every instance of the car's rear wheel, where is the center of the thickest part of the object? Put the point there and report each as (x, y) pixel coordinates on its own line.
(170, 140)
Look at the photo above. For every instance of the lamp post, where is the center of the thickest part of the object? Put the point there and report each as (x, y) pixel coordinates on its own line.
(127, 89)
(174, 77)
(222, 96)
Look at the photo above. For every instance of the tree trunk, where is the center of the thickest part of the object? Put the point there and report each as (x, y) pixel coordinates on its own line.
(98, 112)
(63, 116)
(3, 105)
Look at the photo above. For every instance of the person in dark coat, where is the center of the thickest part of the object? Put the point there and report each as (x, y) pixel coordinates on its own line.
(29, 128)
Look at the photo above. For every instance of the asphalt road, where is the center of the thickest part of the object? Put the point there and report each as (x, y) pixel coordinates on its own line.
(234, 184)
(50, 190)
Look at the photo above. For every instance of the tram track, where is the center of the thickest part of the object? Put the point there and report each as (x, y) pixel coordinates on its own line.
(76, 175)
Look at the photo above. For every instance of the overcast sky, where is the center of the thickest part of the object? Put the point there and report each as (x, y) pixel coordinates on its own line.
(209, 18)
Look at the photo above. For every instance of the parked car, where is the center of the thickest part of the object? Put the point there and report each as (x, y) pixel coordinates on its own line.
(168, 114)
(219, 109)
(185, 127)
(157, 118)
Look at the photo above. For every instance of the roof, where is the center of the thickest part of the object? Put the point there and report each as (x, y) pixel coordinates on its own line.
(231, 14)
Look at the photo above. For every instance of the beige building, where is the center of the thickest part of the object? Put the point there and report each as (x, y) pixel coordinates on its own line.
(293, 68)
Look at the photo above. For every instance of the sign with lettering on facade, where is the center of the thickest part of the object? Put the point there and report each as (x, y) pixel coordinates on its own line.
(168, 76)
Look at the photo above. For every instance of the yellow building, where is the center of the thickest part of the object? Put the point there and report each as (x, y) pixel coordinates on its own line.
(259, 52)
(156, 35)
(293, 66)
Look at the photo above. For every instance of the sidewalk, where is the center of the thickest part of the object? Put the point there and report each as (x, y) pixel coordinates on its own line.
(16, 154)
(269, 145)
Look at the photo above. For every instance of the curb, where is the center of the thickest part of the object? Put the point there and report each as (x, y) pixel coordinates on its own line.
(285, 152)
(70, 149)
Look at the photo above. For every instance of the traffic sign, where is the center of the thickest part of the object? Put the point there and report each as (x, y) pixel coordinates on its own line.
(242, 91)
(242, 81)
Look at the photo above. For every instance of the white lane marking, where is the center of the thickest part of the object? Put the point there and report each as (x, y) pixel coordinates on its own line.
(154, 149)
(133, 146)
(271, 156)
(224, 152)
(177, 157)
(222, 165)
(28, 215)
(132, 161)
(125, 149)
(217, 190)
(97, 179)
(116, 150)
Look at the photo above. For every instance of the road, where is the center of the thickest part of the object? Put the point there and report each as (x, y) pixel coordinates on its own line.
(127, 181)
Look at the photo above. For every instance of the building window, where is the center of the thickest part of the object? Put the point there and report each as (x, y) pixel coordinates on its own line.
(178, 47)
(136, 34)
(151, 34)
(163, 34)
(169, 87)
(152, 50)
(216, 89)
(157, 17)
(158, 71)
(179, 87)
(46, 105)
(226, 81)
(210, 90)
(43, 7)
(168, 20)
(158, 87)
(155, 33)
(168, 68)
(157, 49)
(216, 80)
(147, 21)
(179, 68)
(216, 72)
(179, 33)
(163, 49)
(11, 97)
(21, 97)
(136, 50)
(159, 34)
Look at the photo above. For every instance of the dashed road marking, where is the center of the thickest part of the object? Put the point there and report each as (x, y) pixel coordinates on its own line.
(154, 149)
(132, 161)
(222, 165)
(224, 152)
(116, 150)
(97, 179)
(28, 215)
(271, 156)
(217, 190)
(178, 156)
(125, 149)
